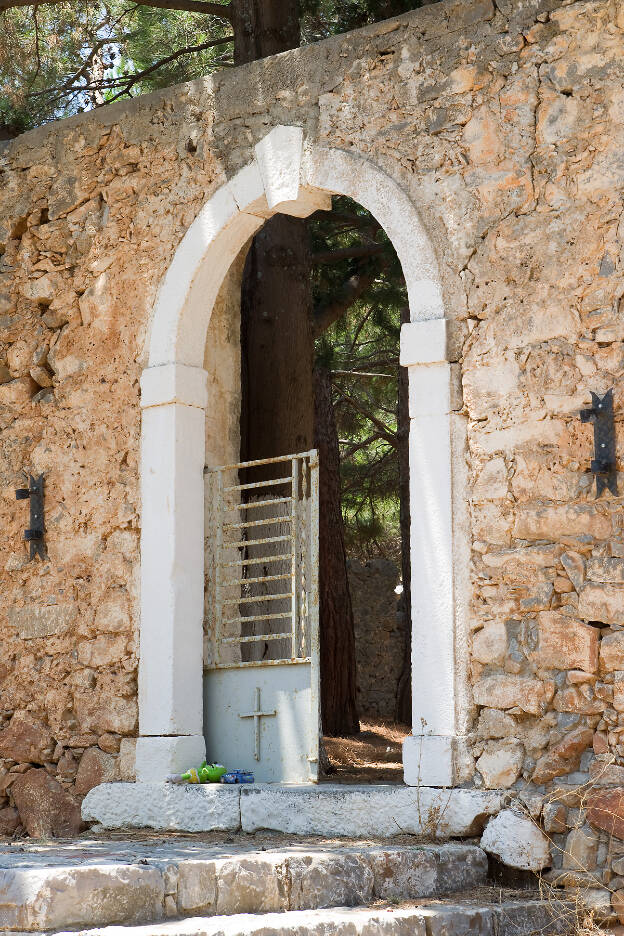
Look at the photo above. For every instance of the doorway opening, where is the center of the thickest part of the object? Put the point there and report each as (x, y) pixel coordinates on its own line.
(322, 303)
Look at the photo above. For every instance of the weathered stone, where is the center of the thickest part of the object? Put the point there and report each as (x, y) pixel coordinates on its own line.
(557, 522)
(505, 692)
(26, 740)
(35, 621)
(602, 603)
(579, 699)
(612, 652)
(18, 391)
(617, 902)
(575, 568)
(581, 850)
(45, 808)
(565, 643)
(102, 651)
(489, 645)
(95, 767)
(320, 881)
(500, 764)
(35, 900)
(554, 817)
(516, 841)
(253, 886)
(606, 570)
(9, 820)
(605, 810)
(197, 887)
(563, 757)
(200, 808)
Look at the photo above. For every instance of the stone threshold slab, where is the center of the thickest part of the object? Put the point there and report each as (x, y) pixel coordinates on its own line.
(528, 917)
(63, 888)
(365, 811)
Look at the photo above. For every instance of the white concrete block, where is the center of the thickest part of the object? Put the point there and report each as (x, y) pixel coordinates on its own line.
(379, 811)
(424, 342)
(428, 760)
(279, 159)
(167, 806)
(172, 571)
(159, 757)
(173, 383)
(429, 390)
(247, 188)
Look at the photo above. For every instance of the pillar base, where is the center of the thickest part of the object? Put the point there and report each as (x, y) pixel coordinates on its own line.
(428, 760)
(159, 756)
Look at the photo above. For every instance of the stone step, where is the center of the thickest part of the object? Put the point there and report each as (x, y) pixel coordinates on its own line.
(97, 884)
(523, 917)
(328, 809)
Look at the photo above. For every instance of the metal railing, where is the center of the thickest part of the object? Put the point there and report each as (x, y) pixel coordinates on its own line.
(262, 591)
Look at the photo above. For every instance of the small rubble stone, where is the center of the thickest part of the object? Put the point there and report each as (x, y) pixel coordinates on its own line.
(500, 764)
(505, 692)
(605, 810)
(565, 643)
(517, 841)
(563, 757)
(9, 820)
(95, 767)
(26, 740)
(612, 652)
(581, 850)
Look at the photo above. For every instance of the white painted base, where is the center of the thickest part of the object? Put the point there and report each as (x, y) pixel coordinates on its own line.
(428, 760)
(315, 809)
(165, 806)
(159, 757)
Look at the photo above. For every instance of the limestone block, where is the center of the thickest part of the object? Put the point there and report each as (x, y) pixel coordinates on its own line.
(49, 898)
(361, 811)
(46, 809)
(505, 692)
(516, 841)
(579, 699)
(201, 808)
(18, 391)
(495, 724)
(197, 886)
(330, 881)
(26, 740)
(612, 652)
(605, 810)
(564, 757)
(554, 817)
(127, 759)
(106, 713)
(602, 603)
(112, 615)
(102, 651)
(251, 885)
(581, 850)
(575, 568)
(398, 873)
(34, 621)
(552, 523)
(95, 767)
(501, 763)
(489, 645)
(618, 692)
(607, 571)
(565, 643)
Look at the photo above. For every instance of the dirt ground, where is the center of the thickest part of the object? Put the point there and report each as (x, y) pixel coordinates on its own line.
(373, 756)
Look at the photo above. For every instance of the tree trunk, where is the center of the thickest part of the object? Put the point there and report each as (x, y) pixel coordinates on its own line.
(404, 688)
(277, 345)
(264, 27)
(278, 410)
(338, 676)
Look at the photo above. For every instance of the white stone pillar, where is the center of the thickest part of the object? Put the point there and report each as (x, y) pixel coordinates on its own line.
(428, 752)
(173, 401)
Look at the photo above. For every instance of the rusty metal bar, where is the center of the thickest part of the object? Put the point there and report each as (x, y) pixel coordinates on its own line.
(254, 523)
(247, 599)
(254, 638)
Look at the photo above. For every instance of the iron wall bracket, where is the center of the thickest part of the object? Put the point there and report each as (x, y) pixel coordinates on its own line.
(34, 534)
(603, 464)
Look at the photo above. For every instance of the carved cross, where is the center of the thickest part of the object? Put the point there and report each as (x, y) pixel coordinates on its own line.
(257, 715)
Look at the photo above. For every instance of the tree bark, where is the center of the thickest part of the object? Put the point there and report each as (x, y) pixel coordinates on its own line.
(404, 688)
(277, 343)
(263, 27)
(338, 673)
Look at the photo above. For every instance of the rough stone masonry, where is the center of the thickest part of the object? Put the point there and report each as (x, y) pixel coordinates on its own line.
(505, 124)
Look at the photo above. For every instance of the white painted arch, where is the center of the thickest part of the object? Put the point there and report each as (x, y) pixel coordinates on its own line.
(290, 177)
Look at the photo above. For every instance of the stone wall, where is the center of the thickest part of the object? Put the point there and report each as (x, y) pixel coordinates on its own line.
(504, 124)
(379, 635)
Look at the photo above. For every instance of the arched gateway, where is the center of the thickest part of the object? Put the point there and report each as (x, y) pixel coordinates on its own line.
(291, 177)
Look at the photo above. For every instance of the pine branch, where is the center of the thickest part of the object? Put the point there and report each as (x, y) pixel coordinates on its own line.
(384, 432)
(353, 289)
(188, 6)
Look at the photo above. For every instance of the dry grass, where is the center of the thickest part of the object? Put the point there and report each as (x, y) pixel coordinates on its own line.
(373, 756)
